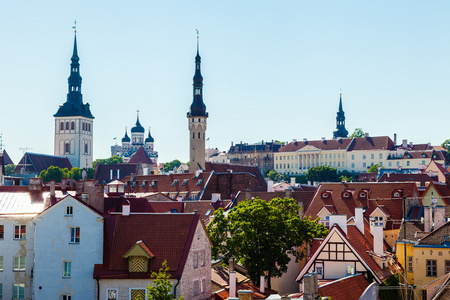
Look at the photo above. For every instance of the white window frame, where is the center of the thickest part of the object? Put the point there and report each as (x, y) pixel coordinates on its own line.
(67, 269)
(202, 285)
(16, 290)
(66, 297)
(19, 263)
(20, 236)
(73, 239)
(69, 210)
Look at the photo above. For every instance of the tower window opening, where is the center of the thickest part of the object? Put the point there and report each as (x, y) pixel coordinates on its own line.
(89, 126)
(199, 120)
(84, 126)
(61, 127)
(67, 148)
(86, 148)
(193, 135)
(76, 89)
(73, 125)
(72, 89)
(199, 135)
(67, 125)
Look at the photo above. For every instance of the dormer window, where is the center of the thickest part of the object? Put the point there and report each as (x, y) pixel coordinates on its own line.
(325, 195)
(200, 180)
(153, 182)
(346, 195)
(424, 155)
(185, 181)
(138, 257)
(175, 182)
(362, 195)
(144, 183)
(397, 194)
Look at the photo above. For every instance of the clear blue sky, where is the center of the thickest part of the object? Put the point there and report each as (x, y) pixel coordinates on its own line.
(272, 69)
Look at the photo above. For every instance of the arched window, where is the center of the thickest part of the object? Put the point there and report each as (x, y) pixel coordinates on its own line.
(193, 135)
(86, 148)
(84, 126)
(73, 125)
(89, 127)
(199, 135)
(61, 127)
(67, 148)
(67, 125)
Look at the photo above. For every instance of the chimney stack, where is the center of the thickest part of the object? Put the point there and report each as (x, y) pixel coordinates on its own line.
(262, 281)
(292, 181)
(126, 209)
(340, 220)
(311, 286)
(377, 231)
(359, 219)
(270, 186)
(428, 218)
(52, 192)
(405, 144)
(288, 192)
(395, 139)
(232, 291)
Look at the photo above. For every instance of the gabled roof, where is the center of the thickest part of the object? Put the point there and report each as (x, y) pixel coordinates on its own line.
(22, 202)
(103, 171)
(88, 208)
(333, 144)
(414, 231)
(358, 243)
(169, 236)
(204, 208)
(436, 237)
(140, 156)
(261, 184)
(141, 248)
(379, 195)
(365, 177)
(442, 189)
(6, 159)
(396, 177)
(34, 162)
(348, 288)
(371, 143)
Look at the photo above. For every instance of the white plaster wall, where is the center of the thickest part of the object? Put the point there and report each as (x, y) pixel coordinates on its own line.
(199, 243)
(10, 248)
(286, 284)
(335, 269)
(53, 247)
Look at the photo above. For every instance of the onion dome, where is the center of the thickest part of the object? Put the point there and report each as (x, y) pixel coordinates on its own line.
(138, 127)
(126, 138)
(149, 139)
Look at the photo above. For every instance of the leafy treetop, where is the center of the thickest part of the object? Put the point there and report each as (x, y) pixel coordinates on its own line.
(169, 166)
(161, 287)
(261, 235)
(108, 161)
(358, 132)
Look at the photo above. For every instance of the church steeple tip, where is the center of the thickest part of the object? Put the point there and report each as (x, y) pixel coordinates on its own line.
(340, 131)
(198, 107)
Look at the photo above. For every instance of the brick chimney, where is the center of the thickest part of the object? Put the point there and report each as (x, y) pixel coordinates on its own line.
(311, 286)
(341, 220)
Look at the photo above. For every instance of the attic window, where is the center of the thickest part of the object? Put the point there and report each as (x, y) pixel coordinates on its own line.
(446, 241)
(135, 183)
(208, 212)
(325, 195)
(175, 182)
(362, 195)
(346, 195)
(185, 181)
(424, 155)
(200, 181)
(153, 182)
(174, 210)
(144, 183)
(397, 194)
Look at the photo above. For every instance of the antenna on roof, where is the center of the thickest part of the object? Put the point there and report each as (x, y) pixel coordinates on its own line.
(74, 27)
(1, 143)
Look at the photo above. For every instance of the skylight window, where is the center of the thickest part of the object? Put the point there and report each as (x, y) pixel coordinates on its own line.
(154, 182)
(200, 181)
(208, 212)
(175, 182)
(185, 181)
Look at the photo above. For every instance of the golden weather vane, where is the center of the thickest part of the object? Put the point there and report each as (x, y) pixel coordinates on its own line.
(75, 26)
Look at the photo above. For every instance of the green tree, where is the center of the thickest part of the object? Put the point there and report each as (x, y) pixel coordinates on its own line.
(322, 173)
(90, 172)
(9, 169)
(74, 173)
(260, 235)
(161, 287)
(53, 173)
(446, 145)
(275, 176)
(358, 132)
(373, 168)
(347, 176)
(169, 166)
(107, 161)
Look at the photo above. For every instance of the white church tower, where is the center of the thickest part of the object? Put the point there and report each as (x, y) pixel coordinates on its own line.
(197, 118)
(74, 121)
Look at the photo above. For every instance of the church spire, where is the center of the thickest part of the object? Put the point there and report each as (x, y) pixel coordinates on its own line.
(198, 107)
(340, 122)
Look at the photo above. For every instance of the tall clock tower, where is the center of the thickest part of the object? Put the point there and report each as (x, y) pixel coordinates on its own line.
(74, 121)
(197, 117)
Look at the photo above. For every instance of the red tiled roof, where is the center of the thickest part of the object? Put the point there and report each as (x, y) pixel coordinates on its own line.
(140, 156)
(319, 144)
(379, 194)
(348, 288)
(365, 177)
(394, 177)
(114, 204)
(38, 162)
(300, 196)
(169, 236)
(260, 185)
(371, 143)
(203, 206)
(248, 286)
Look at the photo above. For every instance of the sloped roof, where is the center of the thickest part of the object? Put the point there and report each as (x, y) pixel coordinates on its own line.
(349, 288)
(365, 177)
(247, 286)
(140, 156)
(436, 237)
(261, 184)
(103, 171)
(333, 144)
(380, 194)
(22, 202)
(169, 236)
(395, 177)
(300, 196)
(204, 206)
(6, 159)
(371, 143)
(38, 162)
(443, 292)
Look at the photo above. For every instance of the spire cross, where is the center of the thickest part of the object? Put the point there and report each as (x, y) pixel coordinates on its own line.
(75, 26)
(137, 113)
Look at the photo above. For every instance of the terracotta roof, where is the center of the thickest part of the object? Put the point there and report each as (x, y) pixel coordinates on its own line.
(379, 195)
(371, 143)
(114, 204)
(205, 208)
(140, 156)
(221, 276)
(440, 155)
(103, 172)
(348, 288)
(170, 239)
(436, 237)
(332, 144)
(300, 196)
(365, 177)
(248, 286)
(261, 184)
(37, 162)
(443, 190)
(394, 177)
(6, 159)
